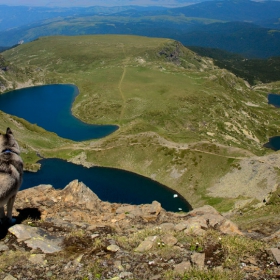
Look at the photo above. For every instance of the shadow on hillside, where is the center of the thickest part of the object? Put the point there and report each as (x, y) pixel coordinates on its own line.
(3, 230)
(27, 213)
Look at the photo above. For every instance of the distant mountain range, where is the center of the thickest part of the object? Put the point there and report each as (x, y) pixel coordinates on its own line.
(246, 39)
(249, 28)
(109, 3)
(228, 10)
(13, 17)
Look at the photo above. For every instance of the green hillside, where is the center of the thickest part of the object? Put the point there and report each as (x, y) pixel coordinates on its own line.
(183, 121)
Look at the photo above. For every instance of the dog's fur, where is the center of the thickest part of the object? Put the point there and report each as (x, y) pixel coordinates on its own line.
(11, 170)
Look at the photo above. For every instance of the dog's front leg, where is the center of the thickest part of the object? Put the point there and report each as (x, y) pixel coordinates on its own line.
(2, 213)
(10, 206)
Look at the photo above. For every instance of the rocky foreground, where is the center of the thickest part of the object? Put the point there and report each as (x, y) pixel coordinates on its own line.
(72, 234)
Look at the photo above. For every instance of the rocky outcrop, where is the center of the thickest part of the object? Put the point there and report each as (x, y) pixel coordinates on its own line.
(122, 241)
(172, 52)
(80, 195)
(77, 203)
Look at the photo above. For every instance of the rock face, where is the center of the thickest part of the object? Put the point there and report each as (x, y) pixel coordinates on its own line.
(122, 241)
(77, 203)
(148, 212)
(77, 193)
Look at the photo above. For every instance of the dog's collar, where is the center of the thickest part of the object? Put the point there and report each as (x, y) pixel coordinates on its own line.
(8, 151)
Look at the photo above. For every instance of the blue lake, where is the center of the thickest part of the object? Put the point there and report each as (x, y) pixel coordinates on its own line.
(113, 185)
(274, 142)
(49, 106)
(274, 99)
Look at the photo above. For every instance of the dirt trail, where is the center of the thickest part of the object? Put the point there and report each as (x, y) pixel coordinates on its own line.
(120, 84)
(158, 141)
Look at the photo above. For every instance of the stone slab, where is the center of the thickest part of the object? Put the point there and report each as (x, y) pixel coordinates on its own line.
(276, 254)
(35, 238)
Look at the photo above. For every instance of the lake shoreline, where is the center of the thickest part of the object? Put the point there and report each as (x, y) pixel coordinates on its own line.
(53, 111)
(274, 141)
(109, 183)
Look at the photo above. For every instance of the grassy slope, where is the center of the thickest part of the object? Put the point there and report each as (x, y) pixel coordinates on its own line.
(164, 98)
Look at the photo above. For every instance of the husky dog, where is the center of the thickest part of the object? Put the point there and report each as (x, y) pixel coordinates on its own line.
(11, 170)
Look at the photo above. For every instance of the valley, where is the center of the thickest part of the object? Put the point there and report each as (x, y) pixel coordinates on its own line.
(183, 121)
(211, 24)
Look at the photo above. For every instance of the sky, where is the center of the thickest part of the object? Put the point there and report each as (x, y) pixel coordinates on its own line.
(86, 3)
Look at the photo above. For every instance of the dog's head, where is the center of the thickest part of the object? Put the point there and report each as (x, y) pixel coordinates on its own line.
(8, 144)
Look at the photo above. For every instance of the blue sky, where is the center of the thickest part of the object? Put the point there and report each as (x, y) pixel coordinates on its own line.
(85, 3)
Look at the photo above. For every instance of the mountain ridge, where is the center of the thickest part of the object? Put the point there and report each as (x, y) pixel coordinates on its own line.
(214, 27)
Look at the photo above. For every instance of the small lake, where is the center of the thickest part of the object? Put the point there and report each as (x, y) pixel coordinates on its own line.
(113, 185)
(274, 99)
(50, 106)
(274, 142)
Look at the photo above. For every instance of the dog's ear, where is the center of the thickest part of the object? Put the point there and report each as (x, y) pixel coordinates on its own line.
(9, 131)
